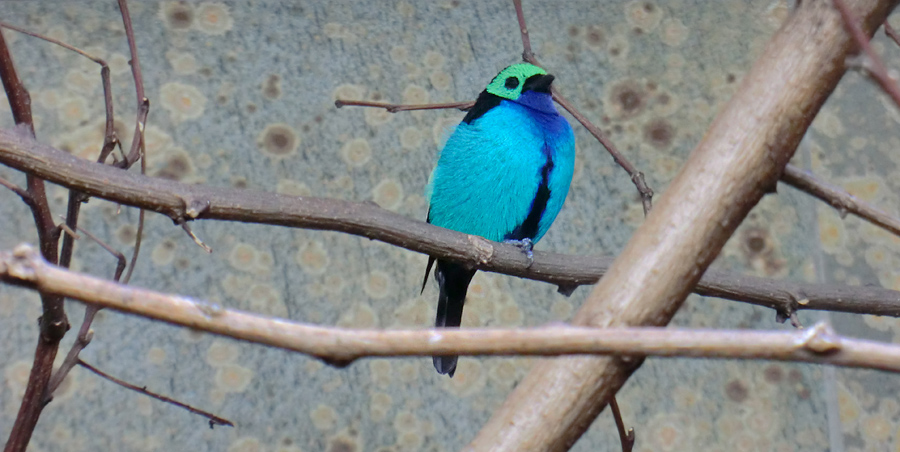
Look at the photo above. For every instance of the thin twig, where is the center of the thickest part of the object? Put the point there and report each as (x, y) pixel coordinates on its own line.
(85, 334)
(26, 197)
(839, 199)
(891, 33)
(637, 177)
(65, 228)
(213, 419)
(625, 436)
(802, 180)
(143, 104)
(527, 53)
(394, 108)
(141, 216)
(120, 258)
(174, 199)
(819, 344)
(93, 58)
(872, 62)
(194, 237)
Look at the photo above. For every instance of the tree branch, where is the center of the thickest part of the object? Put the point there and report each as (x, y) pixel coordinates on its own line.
(871, 61)
(212, 418)
(739, 159)
(53, 321)
(839, 199)
(340, 346)
(178, 201)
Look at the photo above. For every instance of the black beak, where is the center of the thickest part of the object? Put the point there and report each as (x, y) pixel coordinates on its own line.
(538, 83)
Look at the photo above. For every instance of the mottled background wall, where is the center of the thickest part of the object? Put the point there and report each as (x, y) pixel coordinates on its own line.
(242, 95)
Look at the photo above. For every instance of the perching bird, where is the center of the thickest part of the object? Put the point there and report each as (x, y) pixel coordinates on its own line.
(503, 175)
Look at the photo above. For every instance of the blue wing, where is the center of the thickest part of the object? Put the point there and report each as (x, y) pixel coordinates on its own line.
(490, 172)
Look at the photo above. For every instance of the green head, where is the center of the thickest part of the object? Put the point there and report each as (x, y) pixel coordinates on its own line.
(512, 81)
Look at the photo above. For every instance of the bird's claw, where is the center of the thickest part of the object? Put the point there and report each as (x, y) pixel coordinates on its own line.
(526, 245)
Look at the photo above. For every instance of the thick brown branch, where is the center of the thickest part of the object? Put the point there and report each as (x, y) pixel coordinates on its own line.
(737, 162)
(342, 346)
(53, 321)
(180, 201)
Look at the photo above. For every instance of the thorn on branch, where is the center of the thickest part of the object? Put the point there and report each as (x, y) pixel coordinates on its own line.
(194, 237)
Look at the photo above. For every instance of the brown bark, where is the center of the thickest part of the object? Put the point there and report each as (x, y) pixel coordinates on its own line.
(739, 159)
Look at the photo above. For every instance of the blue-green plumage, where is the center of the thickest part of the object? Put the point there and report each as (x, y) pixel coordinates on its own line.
(503, 174)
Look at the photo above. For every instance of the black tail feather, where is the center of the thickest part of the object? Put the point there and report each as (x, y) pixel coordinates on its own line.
(453, 280)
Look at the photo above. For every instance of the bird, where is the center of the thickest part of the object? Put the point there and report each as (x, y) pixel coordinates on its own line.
(503, 174)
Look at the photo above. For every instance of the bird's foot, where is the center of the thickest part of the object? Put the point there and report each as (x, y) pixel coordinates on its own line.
(526, 245)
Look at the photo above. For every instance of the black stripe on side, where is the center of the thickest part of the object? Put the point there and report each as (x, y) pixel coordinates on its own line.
(529, 227)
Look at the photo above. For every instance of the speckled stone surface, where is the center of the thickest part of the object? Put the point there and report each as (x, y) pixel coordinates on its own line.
(242, 95)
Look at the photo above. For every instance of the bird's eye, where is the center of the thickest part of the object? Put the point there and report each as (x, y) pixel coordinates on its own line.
(511, 82)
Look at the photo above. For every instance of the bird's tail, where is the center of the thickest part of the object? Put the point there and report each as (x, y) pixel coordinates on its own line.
(453, 280)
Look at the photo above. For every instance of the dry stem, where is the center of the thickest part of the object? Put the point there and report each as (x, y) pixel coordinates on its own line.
(178, 200)
(819, 344)
(737, 162)
(212, 418)
(871, 62)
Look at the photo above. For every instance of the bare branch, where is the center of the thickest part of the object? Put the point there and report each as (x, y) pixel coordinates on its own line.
(85, 335)
(93, 58)
(637, 177)
(120, 258)
(143, 104)
(53, 322)
(213, 419)
(625, 436)
(738, 160)
(872, 62)
(177, 201)
(527, 53)
(802, 180)
(395, 108)
(839, 199)
(26, 197)
(818, 344)
(891, 33)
